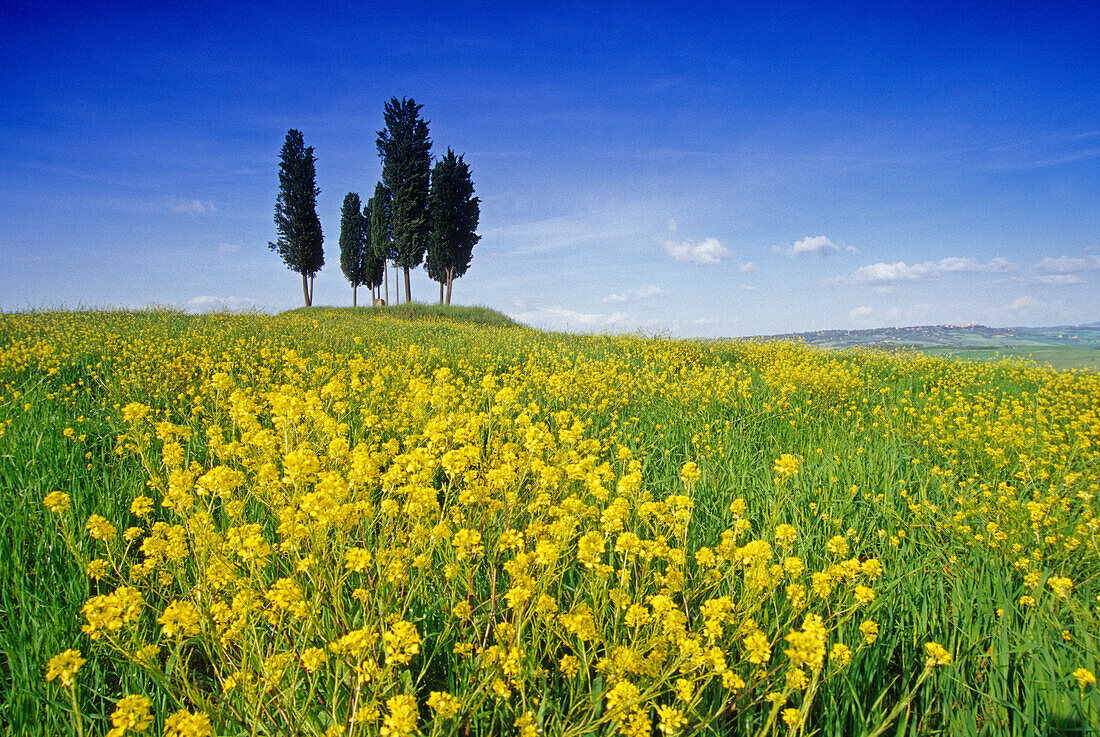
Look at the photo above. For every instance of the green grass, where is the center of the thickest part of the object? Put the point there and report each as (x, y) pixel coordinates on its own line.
(1060, 358)
(413, 312)
(1010, 674)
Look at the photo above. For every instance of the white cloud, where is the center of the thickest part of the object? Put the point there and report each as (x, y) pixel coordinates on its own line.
(817, 244)
(705, 321)
(747, 268)
(206, 303)
(1069, 264)
(558, 317)
(746, 287)
(704, 253)
(626, 222)
(1058, 279)
(1026, 302)
(885, 289)
(193, 207)
(901, 271)
(671, 225)
(229, 247)
(861, 312)
(635, 295)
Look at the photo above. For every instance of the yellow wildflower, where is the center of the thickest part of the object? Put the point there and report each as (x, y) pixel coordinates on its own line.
(185, 724)
(1084, 677)
(64, 666)
(937, 654)
(57, 502)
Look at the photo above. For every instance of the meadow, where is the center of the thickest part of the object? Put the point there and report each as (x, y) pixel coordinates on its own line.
(401, 522)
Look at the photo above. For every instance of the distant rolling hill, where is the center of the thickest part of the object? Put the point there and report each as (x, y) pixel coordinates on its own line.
(951, 336)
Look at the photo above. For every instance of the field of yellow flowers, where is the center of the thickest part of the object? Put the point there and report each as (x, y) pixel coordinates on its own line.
(338, 522)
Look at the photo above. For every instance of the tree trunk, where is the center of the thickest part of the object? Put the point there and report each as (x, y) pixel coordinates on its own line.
(396, 284)
(311, 290)
(305, 289)
(441, 291)
(408, 289)
(386, 279)
(353, 288)
(450, 280)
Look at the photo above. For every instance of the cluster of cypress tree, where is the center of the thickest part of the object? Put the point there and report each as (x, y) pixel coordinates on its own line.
(416, 210)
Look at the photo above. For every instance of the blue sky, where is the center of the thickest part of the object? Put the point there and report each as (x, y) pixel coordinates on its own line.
(718, 170)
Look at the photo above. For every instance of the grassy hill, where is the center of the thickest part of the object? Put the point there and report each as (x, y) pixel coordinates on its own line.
(415, 312)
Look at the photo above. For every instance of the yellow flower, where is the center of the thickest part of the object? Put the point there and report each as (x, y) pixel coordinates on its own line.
(569, 665)
(64, 666)
(689, 473)
(672, 719)
(357, 559)
(757, 647)
(185, 724)
(1060, 586)
(1084, 677)
(785, 467)
(837, 546)
(869, 630)
(131, 714)
(937, 654)
(443, 704)
(840, 655)
(796, 679)
(401, 721)
(97, 568)
(180, 619)
(791, 716)
(313, 658)
(864, 595)
(807, 646)
(785, 534)
(636, 724)
(100, 528)
(141, 506)
(57, 502)
(402, 642)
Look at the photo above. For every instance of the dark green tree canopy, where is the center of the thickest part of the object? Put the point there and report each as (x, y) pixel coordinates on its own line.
(405, 151)
(380, 237)
(354, 246)
(300, 237)
(454, 215)
(373, 267)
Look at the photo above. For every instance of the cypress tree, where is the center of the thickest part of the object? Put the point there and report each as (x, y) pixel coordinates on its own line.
(300, 237)
(405, 151)
(454, 212)
(353, 244)
(380, 235)
(373, 267)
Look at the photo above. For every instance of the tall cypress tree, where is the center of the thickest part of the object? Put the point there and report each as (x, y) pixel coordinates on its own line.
(405, 150)
(373, 267)
(381, 237)
(300, 237)
(353, 244)
(454, 213)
